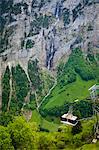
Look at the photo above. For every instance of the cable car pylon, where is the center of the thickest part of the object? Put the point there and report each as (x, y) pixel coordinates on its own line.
(94, 93)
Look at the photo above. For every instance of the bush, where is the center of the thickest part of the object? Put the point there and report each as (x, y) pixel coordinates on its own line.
(5, 139)
(5, 118)
(29, 44)
(77, 129)
(66, 17)
(16, 9)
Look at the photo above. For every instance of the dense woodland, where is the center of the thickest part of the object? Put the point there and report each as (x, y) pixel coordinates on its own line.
(19, 134)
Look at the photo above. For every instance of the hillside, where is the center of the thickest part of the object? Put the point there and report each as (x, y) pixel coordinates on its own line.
(44, 32)
(49, 58)
(20, 134)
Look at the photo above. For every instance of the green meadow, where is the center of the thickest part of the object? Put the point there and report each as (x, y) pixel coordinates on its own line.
(42, 122)
(69, 93)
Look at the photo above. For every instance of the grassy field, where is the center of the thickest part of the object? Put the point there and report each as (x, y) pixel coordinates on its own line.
(70, 92)
(36, 117)
(86, 147)
(90, 147)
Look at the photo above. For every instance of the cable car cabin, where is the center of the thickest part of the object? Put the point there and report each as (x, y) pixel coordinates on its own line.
(69, 119)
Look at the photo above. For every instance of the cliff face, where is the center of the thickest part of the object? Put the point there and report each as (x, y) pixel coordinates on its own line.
(47, 30)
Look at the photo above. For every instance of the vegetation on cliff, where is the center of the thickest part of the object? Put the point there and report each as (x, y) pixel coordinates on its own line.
(5, 89)
(20, 88)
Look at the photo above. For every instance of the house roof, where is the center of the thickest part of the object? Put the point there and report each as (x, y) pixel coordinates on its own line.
(69, 116)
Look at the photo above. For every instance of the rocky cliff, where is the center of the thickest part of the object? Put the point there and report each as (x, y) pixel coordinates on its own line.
(46, 30)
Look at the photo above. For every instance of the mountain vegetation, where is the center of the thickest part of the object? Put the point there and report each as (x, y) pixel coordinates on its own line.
(49, 58)
(16, 133)
(5, 89)
(19, 134)
(20, 88)
(74, 79)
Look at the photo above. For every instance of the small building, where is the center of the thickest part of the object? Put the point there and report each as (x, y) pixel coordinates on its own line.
(69, 119)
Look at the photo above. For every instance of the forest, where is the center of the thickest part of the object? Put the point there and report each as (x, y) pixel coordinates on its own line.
(19, 134)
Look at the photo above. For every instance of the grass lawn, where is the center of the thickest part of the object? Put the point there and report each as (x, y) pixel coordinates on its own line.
(85, 147)
(70, 92)
(90, 147)
(36, 117)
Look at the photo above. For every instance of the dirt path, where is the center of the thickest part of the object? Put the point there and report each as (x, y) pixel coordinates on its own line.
(10, 96)
(55, 83)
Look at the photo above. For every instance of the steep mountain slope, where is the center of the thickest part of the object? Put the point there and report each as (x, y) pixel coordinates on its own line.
(39, 34)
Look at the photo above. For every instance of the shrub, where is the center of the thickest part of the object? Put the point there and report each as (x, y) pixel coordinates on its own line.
(29, 44)
(66, 17)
